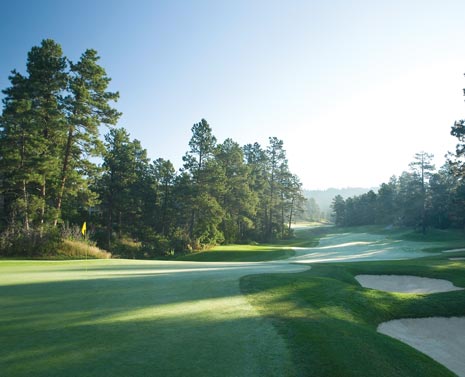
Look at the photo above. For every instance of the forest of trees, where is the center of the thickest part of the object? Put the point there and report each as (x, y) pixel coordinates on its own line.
(56, 172)
(420, 198)
(49, 184)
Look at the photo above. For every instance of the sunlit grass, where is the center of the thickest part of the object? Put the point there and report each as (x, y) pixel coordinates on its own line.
(198, 311)
(329, 321)
(303, 237)
(240, 253)
(131, 318)
(450, 237)
(144, 318)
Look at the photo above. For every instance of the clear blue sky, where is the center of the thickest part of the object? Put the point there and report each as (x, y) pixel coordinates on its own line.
(354, 88)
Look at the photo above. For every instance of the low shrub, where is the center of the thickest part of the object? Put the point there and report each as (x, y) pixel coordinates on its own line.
(127, 248)
(157, 245)
(42, 242)
(47, 243)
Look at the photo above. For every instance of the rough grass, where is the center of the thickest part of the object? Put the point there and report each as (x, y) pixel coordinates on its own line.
(72, 249)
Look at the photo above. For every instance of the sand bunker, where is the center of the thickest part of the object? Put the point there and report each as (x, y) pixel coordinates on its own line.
(443, 339)
(405, 284)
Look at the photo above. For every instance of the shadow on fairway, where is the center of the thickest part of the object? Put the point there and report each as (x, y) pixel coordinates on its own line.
(133, 326)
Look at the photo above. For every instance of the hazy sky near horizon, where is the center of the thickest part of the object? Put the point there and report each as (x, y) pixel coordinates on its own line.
(353, 88)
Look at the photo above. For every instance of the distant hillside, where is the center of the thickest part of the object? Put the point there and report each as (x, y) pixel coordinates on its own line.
(324, 198)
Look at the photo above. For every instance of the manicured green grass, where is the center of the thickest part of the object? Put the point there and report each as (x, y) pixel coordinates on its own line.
(305, 237)
(444, 238)
(239, 253)
(406, 234)
(257, 253)
(329, 321)
(441, 239)
(145, 318)
(433, 235)
(120, 318)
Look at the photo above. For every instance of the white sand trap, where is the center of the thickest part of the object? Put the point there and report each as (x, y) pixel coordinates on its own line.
(405, 284)
(442, 339)
(453, 250)
(458, 258)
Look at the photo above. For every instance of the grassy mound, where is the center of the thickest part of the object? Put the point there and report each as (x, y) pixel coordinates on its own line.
(239, 253)
(329, 321)
(305, 237)
(71, 249)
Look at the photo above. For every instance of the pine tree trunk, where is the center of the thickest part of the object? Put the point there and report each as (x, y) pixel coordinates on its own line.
(291, 214)
(270, 223)
(265, 223)
(109, 227)
(164, 208)
(120, 223)
(42, 210)
(64, 174)
(191, 226)
(24, 188)
(282, 219)
(423, 194)
(26, 203)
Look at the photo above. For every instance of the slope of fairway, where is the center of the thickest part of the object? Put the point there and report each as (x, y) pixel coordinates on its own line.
(172, 318)
(284, 249)
(352, 247)
(240, 253)
(135, 318)
(330, 322)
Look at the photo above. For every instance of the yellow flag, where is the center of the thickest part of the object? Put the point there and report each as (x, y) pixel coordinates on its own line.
(83, 229)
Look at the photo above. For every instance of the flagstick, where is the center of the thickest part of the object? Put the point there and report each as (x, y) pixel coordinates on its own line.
(85, 263)
(84, 231)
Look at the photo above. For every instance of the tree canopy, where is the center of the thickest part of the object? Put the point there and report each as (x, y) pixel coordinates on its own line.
(50, 127)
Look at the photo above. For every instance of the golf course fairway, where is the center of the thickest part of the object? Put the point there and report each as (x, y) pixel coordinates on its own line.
(185, 318)
(135, 318)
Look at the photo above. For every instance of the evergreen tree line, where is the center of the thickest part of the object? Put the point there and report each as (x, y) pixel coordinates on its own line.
(420, 198)
(311, 210)
(49, 134)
